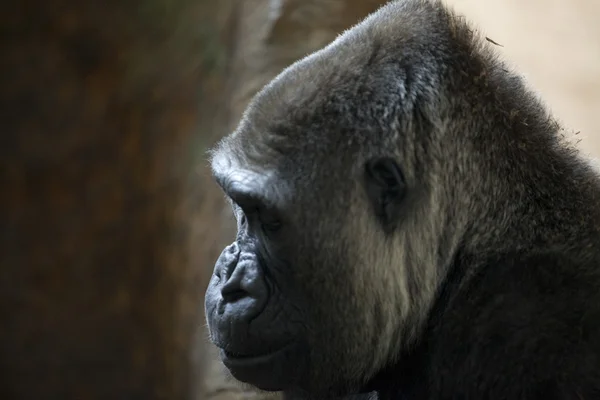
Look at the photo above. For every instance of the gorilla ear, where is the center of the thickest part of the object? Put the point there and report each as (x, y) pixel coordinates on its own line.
(386, 189)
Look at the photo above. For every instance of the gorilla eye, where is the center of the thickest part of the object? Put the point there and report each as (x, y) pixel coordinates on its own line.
(255, 211)
(269, 223)
(242, 218)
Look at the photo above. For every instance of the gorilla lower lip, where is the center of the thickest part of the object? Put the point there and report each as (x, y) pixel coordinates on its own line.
(239, 360)
(269, 372)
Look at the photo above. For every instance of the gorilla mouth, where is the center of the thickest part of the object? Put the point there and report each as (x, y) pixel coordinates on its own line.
(230, 354)
(268, 371)
(240, 356)
(235, 357)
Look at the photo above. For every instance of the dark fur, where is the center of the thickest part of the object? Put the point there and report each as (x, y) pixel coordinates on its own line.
(483, 284)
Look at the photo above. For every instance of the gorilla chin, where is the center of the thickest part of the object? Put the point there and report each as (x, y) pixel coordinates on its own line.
(270, 372)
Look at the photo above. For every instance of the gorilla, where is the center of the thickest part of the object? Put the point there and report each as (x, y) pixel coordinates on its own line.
(411, 222)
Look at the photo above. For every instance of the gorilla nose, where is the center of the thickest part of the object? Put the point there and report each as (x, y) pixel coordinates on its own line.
(244, 293)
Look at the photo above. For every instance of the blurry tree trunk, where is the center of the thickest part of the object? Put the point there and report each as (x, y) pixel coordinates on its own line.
(100, 297)
(268, 36)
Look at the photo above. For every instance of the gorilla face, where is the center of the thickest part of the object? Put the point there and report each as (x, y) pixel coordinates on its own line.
(253, 313)
(285, 298)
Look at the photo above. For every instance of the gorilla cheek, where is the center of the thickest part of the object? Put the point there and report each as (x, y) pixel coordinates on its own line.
(243, 322)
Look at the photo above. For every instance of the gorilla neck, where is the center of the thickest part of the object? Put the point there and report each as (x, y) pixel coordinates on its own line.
(540, 200)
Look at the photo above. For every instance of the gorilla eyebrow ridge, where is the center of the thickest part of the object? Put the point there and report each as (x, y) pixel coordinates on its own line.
(245, 188)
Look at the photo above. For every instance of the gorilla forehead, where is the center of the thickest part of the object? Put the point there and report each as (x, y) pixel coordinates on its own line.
(319, 103)
(360, 82)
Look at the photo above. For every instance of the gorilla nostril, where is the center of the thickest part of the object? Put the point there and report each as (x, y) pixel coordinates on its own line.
(234, 289)
(232, 297)
(245, 291)
(232, 292)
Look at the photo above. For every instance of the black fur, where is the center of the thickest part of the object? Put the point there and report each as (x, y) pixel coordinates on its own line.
(524, 327)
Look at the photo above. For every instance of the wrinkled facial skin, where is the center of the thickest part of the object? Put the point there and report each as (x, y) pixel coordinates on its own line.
(249, 300)
(260, 306)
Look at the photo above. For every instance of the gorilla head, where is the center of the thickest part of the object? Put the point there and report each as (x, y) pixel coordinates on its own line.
(357, 177)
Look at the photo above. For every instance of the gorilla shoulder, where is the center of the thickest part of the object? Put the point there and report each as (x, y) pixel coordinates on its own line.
(410, 222)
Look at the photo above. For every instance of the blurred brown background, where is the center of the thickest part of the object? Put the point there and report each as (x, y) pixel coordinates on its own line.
(110, 222)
